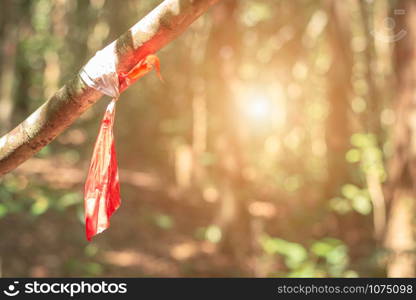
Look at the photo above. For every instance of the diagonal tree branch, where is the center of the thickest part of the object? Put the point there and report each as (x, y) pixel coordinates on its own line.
(158, 28)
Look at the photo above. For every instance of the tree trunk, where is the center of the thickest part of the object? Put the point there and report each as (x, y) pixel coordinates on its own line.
(374, 102)
(233, 217)
(8, 35)
(338, 91)
(400, 239)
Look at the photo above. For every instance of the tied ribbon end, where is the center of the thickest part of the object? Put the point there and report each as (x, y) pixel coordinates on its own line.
(102, 189)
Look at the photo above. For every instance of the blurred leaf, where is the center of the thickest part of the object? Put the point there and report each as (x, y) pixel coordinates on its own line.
(93, 269)
(325, 246)
(335, 253)
(163, 221)
(40, 206)
(3, 210)
(362, 204)
(255, 12)
(353, 156)
(340, 205)
(91, 250)
(69, 199)
(307, 269)
(350, 191)
(213, 234)
(362, 140)
(294, 253)
(350, 274)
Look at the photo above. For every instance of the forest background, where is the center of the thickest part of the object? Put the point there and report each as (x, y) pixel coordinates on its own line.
(282, 142)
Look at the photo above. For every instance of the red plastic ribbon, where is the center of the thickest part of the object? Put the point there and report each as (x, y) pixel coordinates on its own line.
(102, 188)
(146, 65)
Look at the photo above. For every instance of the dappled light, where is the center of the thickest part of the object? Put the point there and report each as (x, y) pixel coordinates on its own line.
(280, 143)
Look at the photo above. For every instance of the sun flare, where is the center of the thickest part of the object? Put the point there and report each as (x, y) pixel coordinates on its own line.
(263, 106)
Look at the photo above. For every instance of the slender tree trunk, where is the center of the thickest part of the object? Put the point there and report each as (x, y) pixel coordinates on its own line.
(374, 102)
(7, 64)
(372, 118)
(233, 217)
(338, 91)
(400, 236)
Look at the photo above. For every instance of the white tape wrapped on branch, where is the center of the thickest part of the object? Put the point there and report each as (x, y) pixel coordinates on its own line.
(100, 72)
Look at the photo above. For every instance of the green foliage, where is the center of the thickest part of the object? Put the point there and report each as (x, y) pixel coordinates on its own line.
(294, 254)
(369, 156)
(368, 153)
(211, 233)
(353, 198)
(163, 221)
(19, 196)
(325, 257)
(88, 269)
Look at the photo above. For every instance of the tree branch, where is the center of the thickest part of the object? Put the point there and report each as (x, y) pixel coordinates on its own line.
(150, 34)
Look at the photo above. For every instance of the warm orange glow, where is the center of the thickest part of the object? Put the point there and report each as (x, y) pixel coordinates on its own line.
(258, 107)
(263, 106)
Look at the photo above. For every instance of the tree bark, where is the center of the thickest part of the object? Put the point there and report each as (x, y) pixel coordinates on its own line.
(400, 235)
(232, 215)
(374, 99)
(154, 31)
(7, 65)
(338, 93)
